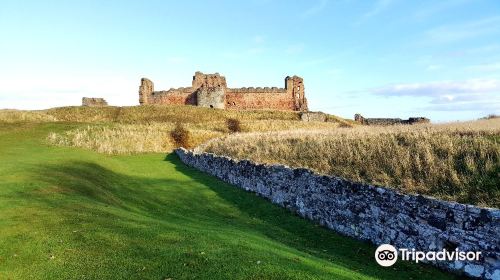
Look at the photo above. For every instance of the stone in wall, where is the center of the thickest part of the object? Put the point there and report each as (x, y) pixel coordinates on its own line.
(376, 214)
(94, 102)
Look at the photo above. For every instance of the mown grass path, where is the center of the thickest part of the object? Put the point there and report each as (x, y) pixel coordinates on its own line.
(67, 213)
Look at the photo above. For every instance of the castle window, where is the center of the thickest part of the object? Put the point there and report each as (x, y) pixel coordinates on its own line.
(211, 106)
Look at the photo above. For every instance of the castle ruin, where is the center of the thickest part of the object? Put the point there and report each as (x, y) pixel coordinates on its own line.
(210, 90)
(94, 102)
(389, 121)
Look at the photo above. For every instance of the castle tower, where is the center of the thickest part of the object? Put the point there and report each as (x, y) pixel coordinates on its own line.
(208, 80)
(145, 91)
(210, 90)
(294, 86)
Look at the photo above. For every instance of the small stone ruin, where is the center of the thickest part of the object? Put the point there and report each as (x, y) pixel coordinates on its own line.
(94, 102)
(389, 121)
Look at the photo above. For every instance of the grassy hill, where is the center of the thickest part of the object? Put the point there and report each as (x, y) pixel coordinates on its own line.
(69, 213)
(149, 114)
(138, 129)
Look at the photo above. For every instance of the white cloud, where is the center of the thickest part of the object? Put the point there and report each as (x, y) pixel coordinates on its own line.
(256, 47)
(487, 67)
(484, 106)
(491, 48)
(258, 39)
(379, 7)
(434, 67)
(462, 31)
(255, 50)
(475, 94)
(437, 7)
(316, 8)
(434, 89)
(295, 48)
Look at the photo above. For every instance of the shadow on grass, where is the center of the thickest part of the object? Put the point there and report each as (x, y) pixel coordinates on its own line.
(283, 226)
(187, 204)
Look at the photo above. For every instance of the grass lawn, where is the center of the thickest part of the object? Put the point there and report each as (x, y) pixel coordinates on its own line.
(68, 213)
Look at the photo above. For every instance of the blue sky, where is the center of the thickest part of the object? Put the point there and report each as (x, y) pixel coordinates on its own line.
(381, 58)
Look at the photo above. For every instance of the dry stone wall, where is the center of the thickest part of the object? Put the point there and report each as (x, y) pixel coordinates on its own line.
(376, 214)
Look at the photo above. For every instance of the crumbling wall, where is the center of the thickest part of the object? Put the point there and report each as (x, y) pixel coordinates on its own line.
(94, 102)
(177, 96)
(415, 120)
(259, 98)
(313, 117)
(389, 121)
(208, 80)
(145, 91)
(376, 214)
(295, 86)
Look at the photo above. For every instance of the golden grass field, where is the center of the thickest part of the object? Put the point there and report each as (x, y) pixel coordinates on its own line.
(154, 137)
(454, 161)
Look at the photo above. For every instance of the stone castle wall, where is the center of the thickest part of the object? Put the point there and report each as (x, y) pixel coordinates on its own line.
(292, 97)
(389, 121)
(376, 214)
(259, 98)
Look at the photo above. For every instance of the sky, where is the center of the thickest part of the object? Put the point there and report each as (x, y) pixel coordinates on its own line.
(380, 58)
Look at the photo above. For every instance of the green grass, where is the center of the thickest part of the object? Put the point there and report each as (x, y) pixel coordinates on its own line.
(68, 213)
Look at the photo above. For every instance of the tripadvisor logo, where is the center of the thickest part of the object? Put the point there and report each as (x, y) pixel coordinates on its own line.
(387, 255)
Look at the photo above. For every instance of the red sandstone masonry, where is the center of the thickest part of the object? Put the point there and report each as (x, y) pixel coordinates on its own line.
(292, 97)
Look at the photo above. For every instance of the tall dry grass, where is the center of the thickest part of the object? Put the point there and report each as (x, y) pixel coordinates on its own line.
(129, 138)
(155, 137)
(13, 116)
(139, 129)
(456, 161)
